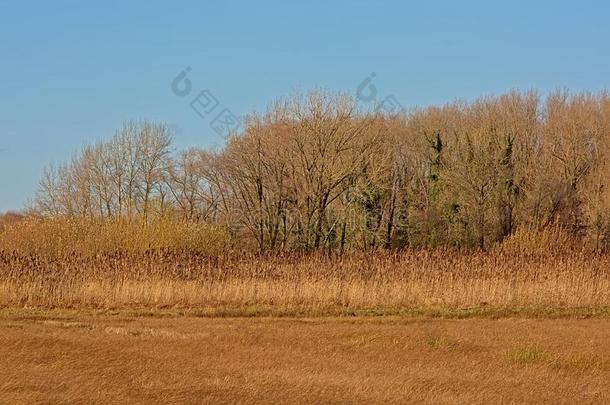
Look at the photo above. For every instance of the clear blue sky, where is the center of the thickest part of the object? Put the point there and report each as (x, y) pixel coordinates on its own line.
(72, 71)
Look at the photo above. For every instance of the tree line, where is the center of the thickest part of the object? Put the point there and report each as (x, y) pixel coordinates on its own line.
(315, 172)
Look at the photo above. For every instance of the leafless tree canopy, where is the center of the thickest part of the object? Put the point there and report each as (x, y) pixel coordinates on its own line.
(315, 173)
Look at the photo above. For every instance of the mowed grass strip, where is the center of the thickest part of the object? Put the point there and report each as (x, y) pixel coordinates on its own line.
(125, 359)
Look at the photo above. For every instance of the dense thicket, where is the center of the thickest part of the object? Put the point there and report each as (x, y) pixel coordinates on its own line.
(316, 173)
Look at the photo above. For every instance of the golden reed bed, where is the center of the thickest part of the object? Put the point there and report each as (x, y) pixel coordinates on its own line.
(312, 284)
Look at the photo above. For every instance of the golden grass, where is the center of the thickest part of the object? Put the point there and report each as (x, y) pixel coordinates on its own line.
(64, 357)
(160, 319)
(528, 354)
(69, 263)
(64, 238)
(313, 284)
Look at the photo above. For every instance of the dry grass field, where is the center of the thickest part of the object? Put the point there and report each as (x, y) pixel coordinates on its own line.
(71, 357)
(506, 325)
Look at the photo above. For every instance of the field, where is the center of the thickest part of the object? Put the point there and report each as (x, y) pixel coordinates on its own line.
(506, 325)
(72, 357)
(436, 326)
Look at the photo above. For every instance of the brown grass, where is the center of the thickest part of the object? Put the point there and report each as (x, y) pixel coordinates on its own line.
(314, 284)
(63, 357)
(111, 319)
(63, 238)
(70, 263)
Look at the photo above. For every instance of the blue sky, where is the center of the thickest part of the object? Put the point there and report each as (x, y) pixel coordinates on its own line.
(72, 71)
